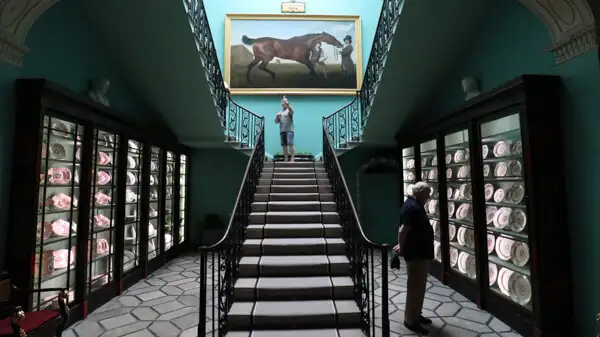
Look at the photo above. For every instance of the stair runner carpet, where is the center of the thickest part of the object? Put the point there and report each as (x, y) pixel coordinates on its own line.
(294, 276)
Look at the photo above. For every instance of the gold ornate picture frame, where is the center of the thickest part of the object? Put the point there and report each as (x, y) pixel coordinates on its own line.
(279, 54)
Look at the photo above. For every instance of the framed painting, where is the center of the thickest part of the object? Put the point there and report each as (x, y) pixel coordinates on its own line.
(293, 54)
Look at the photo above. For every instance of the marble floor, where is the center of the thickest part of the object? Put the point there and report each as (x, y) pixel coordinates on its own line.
(166, 304)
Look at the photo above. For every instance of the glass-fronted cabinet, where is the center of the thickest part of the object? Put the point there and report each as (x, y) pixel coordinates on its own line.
(89, 207)
(103, 201)
(170, 201)
(154, 211)
(56, 233)
(506, 213)
(429, 174)
(504, 198)
(461, 233)
(182, 195)
(408, 170)
(133, 205)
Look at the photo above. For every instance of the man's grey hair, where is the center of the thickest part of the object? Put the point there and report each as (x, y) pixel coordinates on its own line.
(420, 187)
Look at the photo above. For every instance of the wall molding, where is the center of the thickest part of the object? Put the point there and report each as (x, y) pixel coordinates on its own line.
(571, 25)
(16, 19)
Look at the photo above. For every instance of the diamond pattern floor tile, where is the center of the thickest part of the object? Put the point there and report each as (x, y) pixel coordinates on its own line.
(166, 304)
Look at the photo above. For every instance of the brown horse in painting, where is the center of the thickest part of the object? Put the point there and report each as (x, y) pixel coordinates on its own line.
(297, 48)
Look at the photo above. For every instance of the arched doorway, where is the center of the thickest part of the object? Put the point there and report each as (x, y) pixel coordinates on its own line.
(378, 199)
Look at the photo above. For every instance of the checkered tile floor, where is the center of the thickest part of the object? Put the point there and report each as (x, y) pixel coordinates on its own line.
(166, 304)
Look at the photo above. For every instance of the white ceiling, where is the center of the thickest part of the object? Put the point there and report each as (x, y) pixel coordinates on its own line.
(430, 38)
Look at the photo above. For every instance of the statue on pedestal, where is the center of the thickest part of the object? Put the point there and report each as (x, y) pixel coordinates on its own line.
(98, 90)
(470, 88)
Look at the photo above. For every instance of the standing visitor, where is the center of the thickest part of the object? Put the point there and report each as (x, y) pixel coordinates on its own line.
(415, 244)
(285, 119)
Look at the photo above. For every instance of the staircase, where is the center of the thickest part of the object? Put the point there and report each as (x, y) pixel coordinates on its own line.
(294, 274)
(294, 259)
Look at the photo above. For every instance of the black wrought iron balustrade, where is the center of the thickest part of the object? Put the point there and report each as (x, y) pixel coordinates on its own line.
(219, 263)
(343, 126)
(360, 251)
(384, 33)
(243, 126)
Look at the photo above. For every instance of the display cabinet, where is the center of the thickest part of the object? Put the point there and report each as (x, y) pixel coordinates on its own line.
(100, 270)
(183, 173)
(170, 202)
(500, 202)
(87, 204)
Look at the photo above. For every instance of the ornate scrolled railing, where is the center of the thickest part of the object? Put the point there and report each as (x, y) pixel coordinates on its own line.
(343, 126)
(219, 263)
(243, 126)
(382, 41)
(239, 124)
(359, 249)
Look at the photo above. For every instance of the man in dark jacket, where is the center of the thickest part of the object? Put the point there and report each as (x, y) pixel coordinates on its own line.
(415, 244)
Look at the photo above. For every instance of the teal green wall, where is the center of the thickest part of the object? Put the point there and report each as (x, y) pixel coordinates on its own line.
(512, 41)
(216, 177)
(378, 202)
(309, 109)
(66, 51)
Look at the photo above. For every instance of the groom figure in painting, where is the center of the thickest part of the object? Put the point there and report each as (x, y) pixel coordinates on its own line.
(285, 119)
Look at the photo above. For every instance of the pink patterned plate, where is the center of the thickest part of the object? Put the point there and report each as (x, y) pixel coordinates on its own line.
(502, 218)
(491, 243)
(59, 175)
(60, 129)
(518, 220)
(493, 273)
(486, 170)
(485, 150)
(448, 173)
(499, 195)
(102, 178)
(488, 191)
(453, 257)
(490, 214)
(102, 199)
(57, 151)
(501, 149)
(448, 158)
(500, 170)
(103, 158)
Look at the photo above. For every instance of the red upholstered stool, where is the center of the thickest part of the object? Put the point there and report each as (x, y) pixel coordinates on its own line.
(17, 323)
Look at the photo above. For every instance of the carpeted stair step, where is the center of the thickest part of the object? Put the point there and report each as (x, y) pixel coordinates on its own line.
(277, 170)
(294, 246)
(316, 230)
(294, 265)
(294, 217)
(316, 314)
(295, 164)
(265, 197)
(294, 288)
(308, 175)
(294, 206)
(293, 181)
(298, 333)
(293, 188)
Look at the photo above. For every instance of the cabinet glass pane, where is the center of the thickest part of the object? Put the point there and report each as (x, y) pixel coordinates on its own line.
(506, 211)
(154, 216)
(182, 195)
(133, 204)
(429, 174)
(60, 169)
(169, 201)
(103, 202)
(461, 233)
(408, 170)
